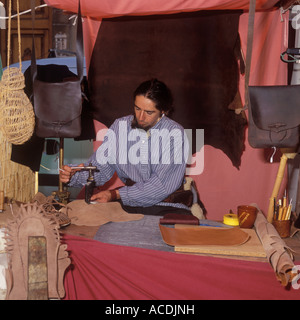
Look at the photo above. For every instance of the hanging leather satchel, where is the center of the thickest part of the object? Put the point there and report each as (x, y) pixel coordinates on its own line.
(274, 111)
(274, 116)
(58, 105)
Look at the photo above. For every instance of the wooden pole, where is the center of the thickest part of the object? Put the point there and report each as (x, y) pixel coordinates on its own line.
(286, 154)
(279, 178)
(61, 160)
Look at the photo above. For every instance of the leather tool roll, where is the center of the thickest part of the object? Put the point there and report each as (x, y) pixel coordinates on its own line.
(203, 236)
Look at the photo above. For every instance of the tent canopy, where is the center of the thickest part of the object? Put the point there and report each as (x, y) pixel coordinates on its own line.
(107, 8)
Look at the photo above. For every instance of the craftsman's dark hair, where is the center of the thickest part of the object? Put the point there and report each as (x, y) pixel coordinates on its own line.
(158, 92)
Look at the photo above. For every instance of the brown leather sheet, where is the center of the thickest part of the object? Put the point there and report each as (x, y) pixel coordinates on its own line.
(203, 236)
(196, 54)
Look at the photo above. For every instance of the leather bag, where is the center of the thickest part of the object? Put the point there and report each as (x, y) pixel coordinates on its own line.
(274, 111)
(58, 105)
(274, 116)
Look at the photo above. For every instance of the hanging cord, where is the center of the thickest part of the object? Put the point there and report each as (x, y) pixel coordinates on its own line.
(251, 20)
(9, 34)
(19, 34)
(25, 12)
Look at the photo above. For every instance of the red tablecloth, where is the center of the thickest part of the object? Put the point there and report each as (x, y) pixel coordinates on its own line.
(105, 271)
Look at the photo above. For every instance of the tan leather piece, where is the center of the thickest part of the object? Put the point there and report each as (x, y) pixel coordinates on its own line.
(251, 248)
(203, 236)
(31, 220)
(84, 214)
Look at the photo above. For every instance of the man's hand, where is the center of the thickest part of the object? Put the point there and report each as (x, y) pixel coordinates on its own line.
(66, 173)
(104, 196)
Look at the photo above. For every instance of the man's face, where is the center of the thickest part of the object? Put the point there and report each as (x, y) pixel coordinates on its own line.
(146, 114)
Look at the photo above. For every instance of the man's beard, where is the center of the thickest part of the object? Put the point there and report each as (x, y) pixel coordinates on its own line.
(135, 124)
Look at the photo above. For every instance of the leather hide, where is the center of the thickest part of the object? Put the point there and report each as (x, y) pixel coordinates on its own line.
(196, 54)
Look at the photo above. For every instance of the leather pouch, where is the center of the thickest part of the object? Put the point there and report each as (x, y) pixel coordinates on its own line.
(274, 116)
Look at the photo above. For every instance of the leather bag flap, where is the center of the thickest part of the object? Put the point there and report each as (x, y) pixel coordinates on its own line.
(57, 102)
(275, 108)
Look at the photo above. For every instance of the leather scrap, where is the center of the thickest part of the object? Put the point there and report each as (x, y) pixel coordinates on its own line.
(203, 236)
(84, 214)
(49, 205)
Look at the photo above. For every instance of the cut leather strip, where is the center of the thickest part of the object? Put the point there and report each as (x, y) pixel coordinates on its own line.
(203, 236)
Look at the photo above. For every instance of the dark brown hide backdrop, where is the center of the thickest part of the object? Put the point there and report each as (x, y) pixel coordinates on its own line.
(196, 54)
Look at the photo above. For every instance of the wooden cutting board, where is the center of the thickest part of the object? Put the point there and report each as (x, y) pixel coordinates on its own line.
(252, 248)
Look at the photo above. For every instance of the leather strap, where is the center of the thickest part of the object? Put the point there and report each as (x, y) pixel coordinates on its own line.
(249, 48)
(113, 195)
(79, 44)
(297, 208)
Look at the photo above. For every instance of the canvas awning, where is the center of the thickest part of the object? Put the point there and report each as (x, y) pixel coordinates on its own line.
(106, 8)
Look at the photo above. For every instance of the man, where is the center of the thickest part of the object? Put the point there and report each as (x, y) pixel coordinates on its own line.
(147, 150)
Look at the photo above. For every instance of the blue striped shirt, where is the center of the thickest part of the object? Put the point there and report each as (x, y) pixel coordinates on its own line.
(154, 160)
